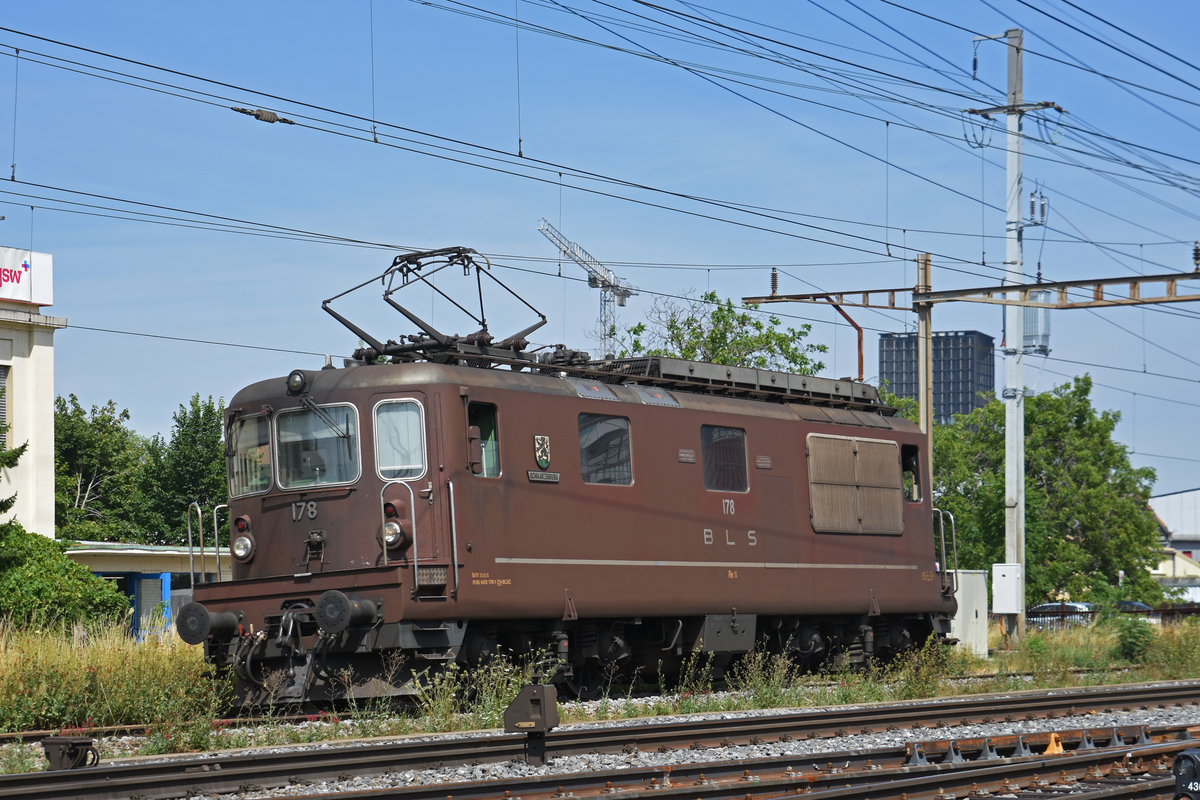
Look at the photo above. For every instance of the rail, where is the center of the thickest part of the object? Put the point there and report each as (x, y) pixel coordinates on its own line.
(217, 536)
(949, 575)
(453, 534)
(191, 548)
(412, 515)
(227, 771)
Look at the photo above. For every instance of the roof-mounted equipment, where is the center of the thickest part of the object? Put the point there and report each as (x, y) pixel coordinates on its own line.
(431, 343)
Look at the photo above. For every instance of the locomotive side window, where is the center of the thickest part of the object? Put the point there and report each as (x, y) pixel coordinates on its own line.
(317, 445)
(249, 459)
(483, 416)
(400, 439)
(604, 453)
(855, 485)
(723, 453)
(910, 465)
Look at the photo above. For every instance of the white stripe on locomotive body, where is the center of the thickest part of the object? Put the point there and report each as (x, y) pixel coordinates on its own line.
(612, 562)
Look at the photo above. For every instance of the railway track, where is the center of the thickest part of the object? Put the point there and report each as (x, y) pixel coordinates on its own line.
(1003, 766)
(230, 771)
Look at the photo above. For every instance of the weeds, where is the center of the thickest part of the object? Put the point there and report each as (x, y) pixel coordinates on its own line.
(922, 673)
(18, 757)
(763, 678)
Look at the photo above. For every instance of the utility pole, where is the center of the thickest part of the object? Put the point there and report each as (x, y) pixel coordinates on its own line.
(1014, 331)
(1014, 320)
(925, 354)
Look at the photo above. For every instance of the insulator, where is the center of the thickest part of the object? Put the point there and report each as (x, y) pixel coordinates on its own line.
(1032, 195)
(1045, 204)
(266, 116)
(1196, 255)
(775, 279)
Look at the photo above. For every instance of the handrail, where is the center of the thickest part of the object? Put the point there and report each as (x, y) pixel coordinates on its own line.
(217, 536)
(191, 554)
(949, 576)
(453, 534)
(412, 514)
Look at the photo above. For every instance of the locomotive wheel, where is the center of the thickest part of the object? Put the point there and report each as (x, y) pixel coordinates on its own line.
(587, 680)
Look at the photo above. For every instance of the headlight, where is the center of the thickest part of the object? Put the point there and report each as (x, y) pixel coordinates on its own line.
(296, 381)
(393, 534)
(242, 548)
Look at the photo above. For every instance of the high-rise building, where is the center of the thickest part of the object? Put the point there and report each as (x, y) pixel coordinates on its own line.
(964, 366)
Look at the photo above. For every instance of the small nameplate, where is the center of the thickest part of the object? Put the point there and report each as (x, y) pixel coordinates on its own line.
(687, 456)
(543, 477)
(762, 462)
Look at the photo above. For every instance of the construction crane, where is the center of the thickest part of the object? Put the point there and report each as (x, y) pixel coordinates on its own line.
(613, 290)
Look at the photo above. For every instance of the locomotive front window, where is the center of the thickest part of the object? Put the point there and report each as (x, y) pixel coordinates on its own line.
(317, 445)
(400, 439)
(723, 452)
(604, 454)
(249, 459)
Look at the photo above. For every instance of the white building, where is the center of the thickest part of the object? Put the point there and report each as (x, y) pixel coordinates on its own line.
(1179, 515)
(1179, 521)
(27, 377)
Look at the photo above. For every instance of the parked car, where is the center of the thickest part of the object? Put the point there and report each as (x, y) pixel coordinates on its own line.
(1059, 615)
(1141, 610)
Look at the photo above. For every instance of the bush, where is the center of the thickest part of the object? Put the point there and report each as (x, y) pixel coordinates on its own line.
(1134, 637)
(39, 582)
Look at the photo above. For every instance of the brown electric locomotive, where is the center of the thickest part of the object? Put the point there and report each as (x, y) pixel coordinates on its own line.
(444, 498)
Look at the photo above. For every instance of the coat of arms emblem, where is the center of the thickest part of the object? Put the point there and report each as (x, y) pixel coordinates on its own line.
(541, 450)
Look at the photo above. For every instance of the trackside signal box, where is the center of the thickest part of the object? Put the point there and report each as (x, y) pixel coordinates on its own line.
(1008, 585)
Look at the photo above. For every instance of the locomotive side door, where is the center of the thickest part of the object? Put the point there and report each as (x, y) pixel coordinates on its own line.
(408, 460)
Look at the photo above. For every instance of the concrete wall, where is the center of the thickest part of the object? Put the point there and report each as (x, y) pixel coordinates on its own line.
(27, 349)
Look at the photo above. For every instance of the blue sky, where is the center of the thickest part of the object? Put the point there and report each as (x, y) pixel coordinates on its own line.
(841, 118)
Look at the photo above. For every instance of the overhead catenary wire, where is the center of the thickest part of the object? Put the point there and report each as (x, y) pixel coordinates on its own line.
(952, 258)
(577, 172)
(885, 242)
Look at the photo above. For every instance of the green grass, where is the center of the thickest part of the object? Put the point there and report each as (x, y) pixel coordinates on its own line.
(73, 680)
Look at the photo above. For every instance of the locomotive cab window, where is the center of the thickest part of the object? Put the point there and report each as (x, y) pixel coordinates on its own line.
(604, 454)
(723, 453)
(400, 439)
(317, 445)
(249, 455)
(855, 485)
(483, 417)
(910, 466)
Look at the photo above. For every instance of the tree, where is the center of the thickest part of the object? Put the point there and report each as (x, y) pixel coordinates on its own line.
(37, 580)
(715, 331)
(100, 475)
(113, 485)
(190, 467)
(8, 460)
(1086, 515)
